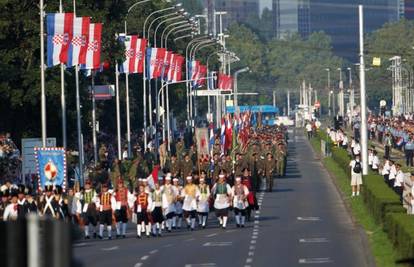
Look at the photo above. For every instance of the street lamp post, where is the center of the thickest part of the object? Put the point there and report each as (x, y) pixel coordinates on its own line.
(351, 95)
(236, 74)
(341, 94)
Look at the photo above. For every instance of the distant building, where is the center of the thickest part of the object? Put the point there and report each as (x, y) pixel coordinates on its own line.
(238, 10)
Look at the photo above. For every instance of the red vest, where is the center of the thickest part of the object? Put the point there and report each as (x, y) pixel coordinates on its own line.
(142, 200)
(122, 196)
(105, 200)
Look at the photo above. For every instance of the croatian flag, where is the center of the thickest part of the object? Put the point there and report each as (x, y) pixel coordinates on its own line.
(140, 55)
(155, 59)
(178, 68)
(171, 69)
(93, 53)
(79, 44)
(229, 132)
(211, 143)
(130, 42)
(166, 65)
(153, 177)
(59, 34)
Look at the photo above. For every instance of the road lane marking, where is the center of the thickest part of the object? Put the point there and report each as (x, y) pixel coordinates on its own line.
(230, 231)
(217, 244)
(253, 242)
(153, 251)
(256, 222)
(200, 265)
(314, 260)
(139, 264)
(308, 218)
(143, 258)
(314, 240)
(251, 253)
(249, 260)
(211, 235)
(252, 247)
(110, 249)
(188, 240)
(79, 244)
(257, 211)
(168, 245)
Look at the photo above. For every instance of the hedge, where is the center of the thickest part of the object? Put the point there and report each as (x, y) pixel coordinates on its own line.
(400, 229)
(382, 202)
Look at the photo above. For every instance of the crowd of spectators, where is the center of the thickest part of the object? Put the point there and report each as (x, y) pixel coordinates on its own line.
(10, 160)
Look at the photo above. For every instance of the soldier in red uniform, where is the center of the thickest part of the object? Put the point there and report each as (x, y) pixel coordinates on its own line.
(106, 204)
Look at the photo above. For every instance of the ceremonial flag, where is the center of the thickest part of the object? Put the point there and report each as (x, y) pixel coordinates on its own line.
(51, 166)
(140, 55)
(202, 75)
(202, 141)
(171, 68)
(79, 44)
(178, 68)
(155, 59)
(223, 135)
(153, 178)
(93, 53)
(229, 133)
(59, 34)
(166, 65)
(130, 42)
(211, 143)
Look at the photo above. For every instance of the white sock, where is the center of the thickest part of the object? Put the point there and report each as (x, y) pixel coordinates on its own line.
(169, 224)
(148, 229)
(109, 229)
(162, 225)
(193, 223)
(237, 219)
(243, 219)
(224, 221)
(357, 193)
(139, 229)
(118, 228)
(174, 221)
(220, 220)
(101, 228)
(153, 229)
(353, 194)
(204, 220)
(200, 219)
(124, 226)
(86, 230)
(179, 222)
(142, 227)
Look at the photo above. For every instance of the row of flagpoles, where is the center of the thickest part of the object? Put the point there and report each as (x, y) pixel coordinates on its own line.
(75, 42)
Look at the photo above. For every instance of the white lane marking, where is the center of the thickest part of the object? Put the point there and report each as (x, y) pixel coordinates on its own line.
(247, 266)
(79, 244)
(252, 247)
(255, 226)
(217, 244)
(168, 245)
(138, 264)
(253, 242)
(143, 258)
(256, 221)
(256, 216)
(153, 251)
(230, 231)
(314, 240)
(254, 237)
(188, 240)
(200, 265)
(110, 249)
(314, 260)
(251, 253)
(308, 218)
(211, 235)
(249, 260)
(257, 211)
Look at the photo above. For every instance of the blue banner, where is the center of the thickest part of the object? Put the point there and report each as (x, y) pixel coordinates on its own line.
(51, 165)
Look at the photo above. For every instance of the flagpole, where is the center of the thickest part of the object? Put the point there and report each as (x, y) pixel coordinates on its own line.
(62, 93)
(128, 115)
(42, 74)
(118, 115)
(78, 115)
(95, 148)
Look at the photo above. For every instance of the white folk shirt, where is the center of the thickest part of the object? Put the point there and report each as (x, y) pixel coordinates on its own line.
(178, 204)
(375, 162)
(393, 173)
(203, 204)
(169, 195)
(370, 158)
(10, 212)
(345, 140)
(240, 196)
(190, 201)
(222, 200)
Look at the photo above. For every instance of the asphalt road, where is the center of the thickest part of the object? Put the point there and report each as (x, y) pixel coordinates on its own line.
(303, 222)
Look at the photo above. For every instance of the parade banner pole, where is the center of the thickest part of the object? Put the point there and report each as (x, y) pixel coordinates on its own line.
(42, 74)
(128, 115)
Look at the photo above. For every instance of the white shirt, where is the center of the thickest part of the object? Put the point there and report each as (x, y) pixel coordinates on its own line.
(399, 179)
(308, 127)
(393, 172)
(10, 212)
(345, 140)
(222, 200)
(356, 149)
(169, 195)
(370, 158)
(240, 201)
(375, 162)
(386, 169)
(352, 165)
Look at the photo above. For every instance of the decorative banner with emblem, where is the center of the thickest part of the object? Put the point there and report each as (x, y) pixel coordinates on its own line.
(202, 141)
(51, 166)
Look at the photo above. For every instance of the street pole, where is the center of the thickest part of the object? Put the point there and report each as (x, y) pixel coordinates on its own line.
(288, 103)
(42, 74)
(95, 147)
(62, 93)
(274, 99)
(118, 113)
(364, 133)
(236, 74)
(128, 115)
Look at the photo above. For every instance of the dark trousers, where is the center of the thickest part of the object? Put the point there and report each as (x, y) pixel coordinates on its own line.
(409, 157)
(387, 152)
(399, 190)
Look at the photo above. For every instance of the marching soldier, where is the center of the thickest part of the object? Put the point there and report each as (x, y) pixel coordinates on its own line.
(173, 166)
(11, 210)
(186, 166)
(47, 203)
(123, 198)
(269, 167)
(179, 148)
(280, 160)
(88, 209)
